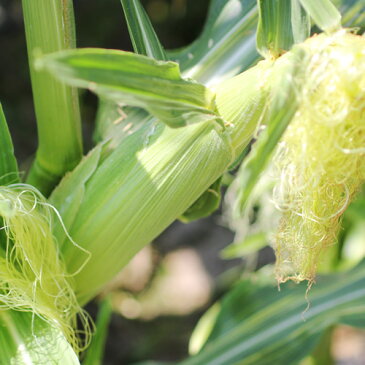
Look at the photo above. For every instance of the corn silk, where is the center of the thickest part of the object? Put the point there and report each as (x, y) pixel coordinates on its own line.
(33, 277)
(319, 165)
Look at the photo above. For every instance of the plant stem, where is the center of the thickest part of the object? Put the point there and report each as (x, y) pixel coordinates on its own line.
(49, 27)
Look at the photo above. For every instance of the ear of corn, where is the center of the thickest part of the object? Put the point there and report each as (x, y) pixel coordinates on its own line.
(152, 178)
(128, 195)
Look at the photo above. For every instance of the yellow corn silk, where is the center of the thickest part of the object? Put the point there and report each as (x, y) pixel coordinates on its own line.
(320, 161)
(32, 276)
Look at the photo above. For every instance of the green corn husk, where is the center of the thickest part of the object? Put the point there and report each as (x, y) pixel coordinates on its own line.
(126, 197)
(135, 193)
(27, 339)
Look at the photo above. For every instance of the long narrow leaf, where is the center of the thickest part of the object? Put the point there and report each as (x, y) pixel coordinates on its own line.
(324, 14)
(8, 165)
(259, 325)
(226, 46)
(95, 352)
(281, 24)
(274, 32)
(300, 21)
(135, 80)
(353, 12)
(141, 32)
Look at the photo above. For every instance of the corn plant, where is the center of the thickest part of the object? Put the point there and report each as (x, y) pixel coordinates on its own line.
(258, 97)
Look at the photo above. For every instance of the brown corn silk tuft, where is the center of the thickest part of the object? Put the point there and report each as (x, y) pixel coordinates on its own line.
(320, 162)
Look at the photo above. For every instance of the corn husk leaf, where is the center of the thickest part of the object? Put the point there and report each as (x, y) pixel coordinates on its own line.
(242, 101)
(135, 193)
(283, 105)
(26, 339)
(135, 80)
(300, 22)
(114, 123)
(205, 205)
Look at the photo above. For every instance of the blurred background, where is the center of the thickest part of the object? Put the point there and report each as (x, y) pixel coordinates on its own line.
(158, 299)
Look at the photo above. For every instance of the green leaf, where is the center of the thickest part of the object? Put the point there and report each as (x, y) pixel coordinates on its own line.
(259, 325)
(135, 80)
(226, 46)
(353, 12)
(274, 35)
(324, 14)
(300, 22)
(205, 205)
(250, 244)
(49, 27)
(26, 339)
(8, 165)
(95, 352)
(284, 81)
(69, 194)
(141, 32)
(281, 24)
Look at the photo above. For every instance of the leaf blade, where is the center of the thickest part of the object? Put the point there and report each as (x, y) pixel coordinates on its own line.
(226, 46)
(141, 32)
(324, 14)
(134, 80)
(94, 355)
(9, 173)
(271, 329)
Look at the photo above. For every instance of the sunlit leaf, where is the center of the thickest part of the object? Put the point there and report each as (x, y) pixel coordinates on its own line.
(141, 32)
(130, 79)
(257, 324)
